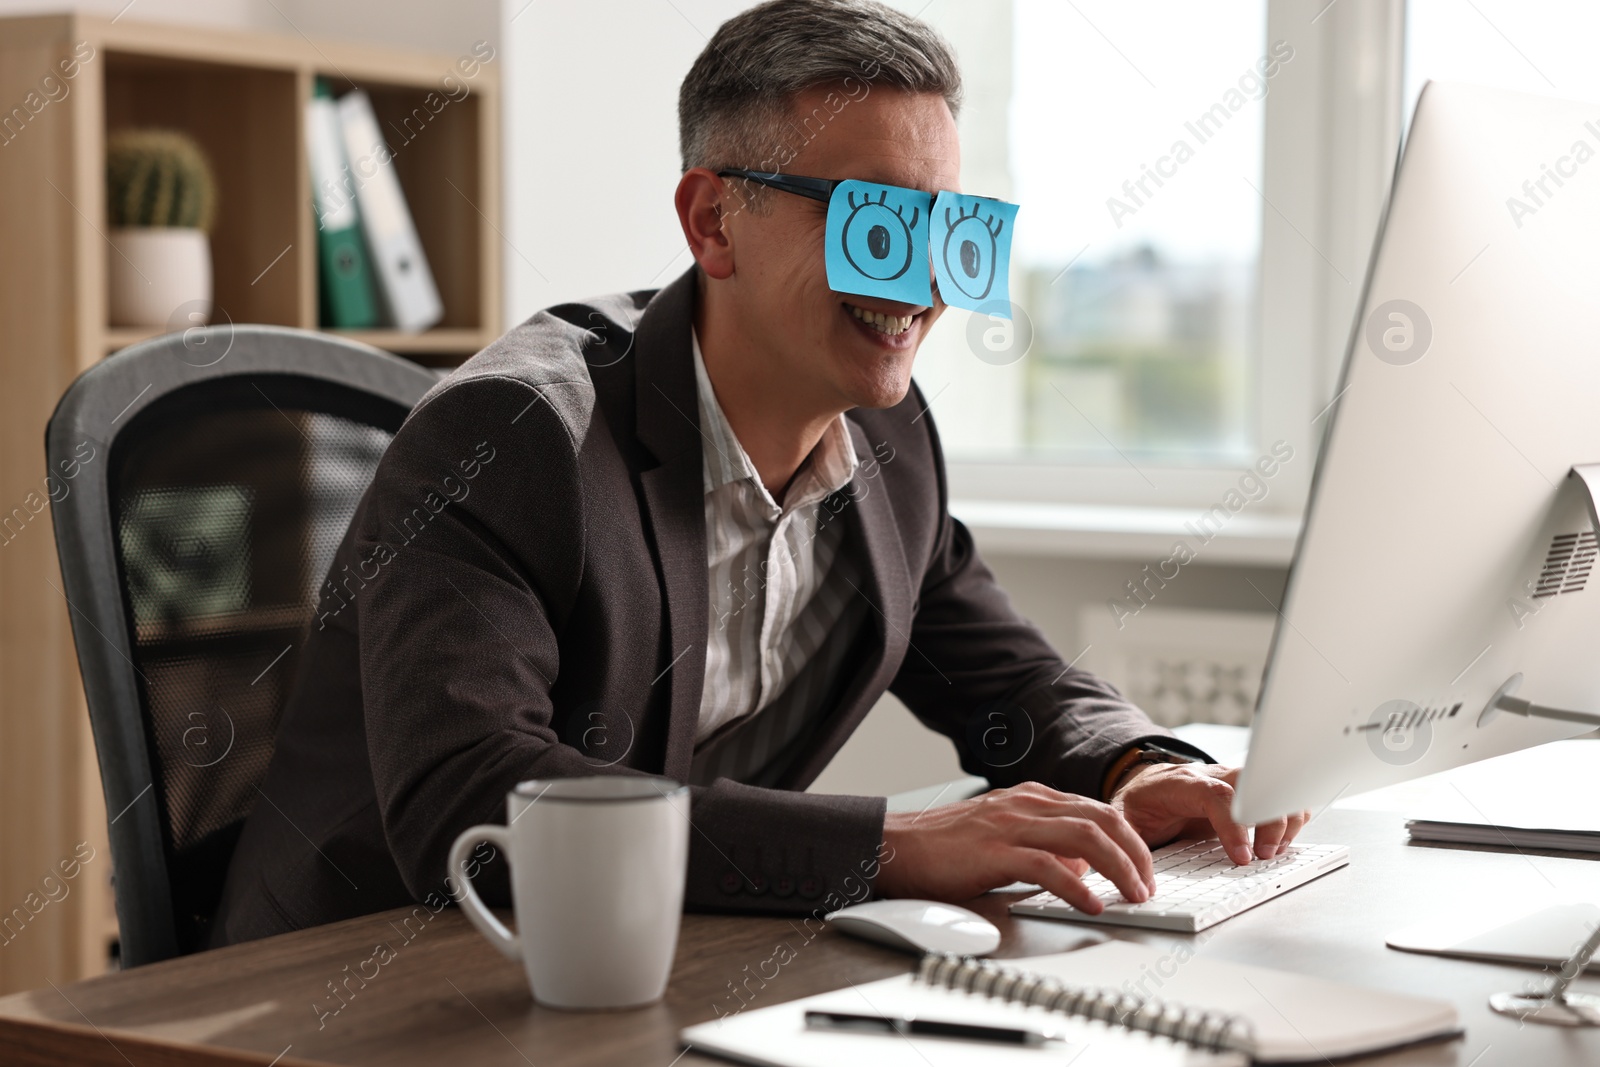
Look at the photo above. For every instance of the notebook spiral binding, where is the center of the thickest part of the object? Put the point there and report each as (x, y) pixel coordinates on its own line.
(1207, 1031)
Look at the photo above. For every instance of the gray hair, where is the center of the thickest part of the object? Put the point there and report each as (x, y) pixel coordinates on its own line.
(736, 105)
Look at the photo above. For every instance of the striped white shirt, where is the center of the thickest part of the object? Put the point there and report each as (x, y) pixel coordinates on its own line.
(768, 565)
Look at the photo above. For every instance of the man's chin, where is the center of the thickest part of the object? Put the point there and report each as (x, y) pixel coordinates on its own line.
(880, 391)
(870, 373)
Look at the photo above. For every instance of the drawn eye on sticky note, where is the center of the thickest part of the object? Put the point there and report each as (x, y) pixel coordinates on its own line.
(971, 248)
(877, 242)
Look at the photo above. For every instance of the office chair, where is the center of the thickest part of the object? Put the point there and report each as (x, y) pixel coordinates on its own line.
(201, 483)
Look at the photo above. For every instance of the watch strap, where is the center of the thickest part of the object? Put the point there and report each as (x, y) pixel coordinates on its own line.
(1140, 754)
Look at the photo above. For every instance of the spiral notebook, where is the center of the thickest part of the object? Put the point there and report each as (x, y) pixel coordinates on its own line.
(1120, 1003)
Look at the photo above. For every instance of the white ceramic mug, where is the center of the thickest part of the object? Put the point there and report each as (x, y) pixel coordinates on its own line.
(598, 867)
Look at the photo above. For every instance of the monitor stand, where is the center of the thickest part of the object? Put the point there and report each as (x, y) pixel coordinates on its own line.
(1503, 701)
(1557, 1007)
(1588, 476)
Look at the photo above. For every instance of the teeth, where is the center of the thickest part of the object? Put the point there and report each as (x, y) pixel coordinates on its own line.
(886, 324)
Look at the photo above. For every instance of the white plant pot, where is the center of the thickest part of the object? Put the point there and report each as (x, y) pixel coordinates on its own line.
(160, 276)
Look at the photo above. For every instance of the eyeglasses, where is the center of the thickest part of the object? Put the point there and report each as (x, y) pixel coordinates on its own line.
(879, 245)
(811, 188)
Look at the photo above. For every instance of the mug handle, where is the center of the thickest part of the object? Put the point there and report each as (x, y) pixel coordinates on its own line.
(501, 938)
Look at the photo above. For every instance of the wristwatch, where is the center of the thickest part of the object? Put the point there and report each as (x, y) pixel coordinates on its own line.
(1141, 754)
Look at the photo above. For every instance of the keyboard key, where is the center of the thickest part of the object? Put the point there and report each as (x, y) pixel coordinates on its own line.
(1197, 885)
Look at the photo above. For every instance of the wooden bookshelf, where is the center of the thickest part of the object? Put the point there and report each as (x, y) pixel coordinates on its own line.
(243, 96)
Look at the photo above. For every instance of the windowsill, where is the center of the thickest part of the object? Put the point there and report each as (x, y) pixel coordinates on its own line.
(1100, 531)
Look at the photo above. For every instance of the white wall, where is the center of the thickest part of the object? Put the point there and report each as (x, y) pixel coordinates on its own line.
(592, 144)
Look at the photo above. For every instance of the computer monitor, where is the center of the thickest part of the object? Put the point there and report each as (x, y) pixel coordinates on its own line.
(1441, 602)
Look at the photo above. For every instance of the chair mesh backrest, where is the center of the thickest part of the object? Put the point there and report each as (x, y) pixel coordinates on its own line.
(229, 500)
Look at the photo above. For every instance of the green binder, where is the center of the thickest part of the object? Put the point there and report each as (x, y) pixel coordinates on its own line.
(347, 298)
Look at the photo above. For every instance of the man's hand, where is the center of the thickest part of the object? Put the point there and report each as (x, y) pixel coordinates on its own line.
(1028, 833)
(1032, 833)
(1163, 802)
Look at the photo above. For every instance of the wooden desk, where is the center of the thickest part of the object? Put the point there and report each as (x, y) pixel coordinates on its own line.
(447, 997)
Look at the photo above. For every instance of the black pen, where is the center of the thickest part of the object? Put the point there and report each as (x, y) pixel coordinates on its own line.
(885, 1024)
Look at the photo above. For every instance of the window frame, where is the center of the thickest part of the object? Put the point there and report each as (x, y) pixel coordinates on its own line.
(1332, 129)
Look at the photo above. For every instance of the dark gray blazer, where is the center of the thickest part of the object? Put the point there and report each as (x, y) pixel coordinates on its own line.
(522, 593)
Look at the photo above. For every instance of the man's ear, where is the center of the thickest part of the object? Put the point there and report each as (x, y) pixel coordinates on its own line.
(704, 203)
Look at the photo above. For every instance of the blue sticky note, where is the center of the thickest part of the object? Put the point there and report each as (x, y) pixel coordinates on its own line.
(971, 247)
(877, 242)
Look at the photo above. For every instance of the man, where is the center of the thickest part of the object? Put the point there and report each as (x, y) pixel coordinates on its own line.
(698, 533)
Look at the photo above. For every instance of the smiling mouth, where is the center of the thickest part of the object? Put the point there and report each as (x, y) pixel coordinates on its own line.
(889, 325)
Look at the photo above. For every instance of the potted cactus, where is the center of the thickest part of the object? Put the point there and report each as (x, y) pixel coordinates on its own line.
(160, 197)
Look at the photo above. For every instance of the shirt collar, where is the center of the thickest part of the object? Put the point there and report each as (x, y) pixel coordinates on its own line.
(833, 461)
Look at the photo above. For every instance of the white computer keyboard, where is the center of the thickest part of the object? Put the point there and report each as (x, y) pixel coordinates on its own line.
(1197, 886)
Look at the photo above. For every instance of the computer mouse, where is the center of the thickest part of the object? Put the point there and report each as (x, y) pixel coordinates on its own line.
(919, 926)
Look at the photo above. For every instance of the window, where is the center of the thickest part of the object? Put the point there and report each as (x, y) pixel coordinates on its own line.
(1137, 160)
(1199, 185)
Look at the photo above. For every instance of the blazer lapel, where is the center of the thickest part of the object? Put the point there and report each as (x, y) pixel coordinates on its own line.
(667, 421)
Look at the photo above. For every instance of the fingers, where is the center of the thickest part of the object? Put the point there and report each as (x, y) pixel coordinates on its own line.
(1075, 832)
(1085, 838)
(1051, 804)
(1048, 871)
(1235, 838)
(1272, 838)
(1128, 840)
(1269, 837)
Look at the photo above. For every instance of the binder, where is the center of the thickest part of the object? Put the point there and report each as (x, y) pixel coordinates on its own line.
(345, 291)
(410, 297)
(1539, 798)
